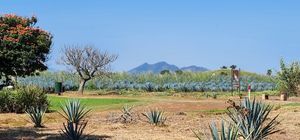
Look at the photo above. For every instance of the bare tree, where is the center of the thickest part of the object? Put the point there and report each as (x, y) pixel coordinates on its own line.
(88, 62)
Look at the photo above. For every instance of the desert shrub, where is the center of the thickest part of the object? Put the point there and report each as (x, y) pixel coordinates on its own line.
(91, 85)
(30, 96)
(20, 100)
(127, 115)
(36, 115)
(74, 113)
(156, 117)
(6, 101)
(214, 95)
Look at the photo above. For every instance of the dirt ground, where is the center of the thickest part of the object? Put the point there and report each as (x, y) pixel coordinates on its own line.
(183, 116)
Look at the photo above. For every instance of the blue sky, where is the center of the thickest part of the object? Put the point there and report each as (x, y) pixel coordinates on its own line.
(254, 35)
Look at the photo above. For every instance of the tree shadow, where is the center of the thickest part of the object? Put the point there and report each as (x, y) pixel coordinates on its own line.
(29, 133)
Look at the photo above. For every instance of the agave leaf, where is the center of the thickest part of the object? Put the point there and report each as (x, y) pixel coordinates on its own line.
(197, 134)
(227, 133)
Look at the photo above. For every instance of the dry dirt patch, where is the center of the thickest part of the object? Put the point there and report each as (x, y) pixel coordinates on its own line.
(16, 126)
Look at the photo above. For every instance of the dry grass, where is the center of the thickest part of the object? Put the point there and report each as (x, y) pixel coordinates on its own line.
(198, 113)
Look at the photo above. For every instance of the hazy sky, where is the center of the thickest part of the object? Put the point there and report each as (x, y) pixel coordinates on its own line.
(251, 34)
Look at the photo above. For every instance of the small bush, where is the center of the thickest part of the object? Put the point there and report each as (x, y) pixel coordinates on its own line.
(6, 101)
(155, 117)
(28, 97)
(214, 95)
(20, 100)
(127, 114)
(288, 78)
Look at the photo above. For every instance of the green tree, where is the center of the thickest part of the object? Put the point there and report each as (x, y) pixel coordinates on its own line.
(289, 77)
(223, 67)
(233, 67)
(165, 72)
(23, 46)
(179, 72)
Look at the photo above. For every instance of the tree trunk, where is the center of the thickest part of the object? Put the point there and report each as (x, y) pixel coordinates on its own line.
(14, 80)
(7, 80)
(81, 86)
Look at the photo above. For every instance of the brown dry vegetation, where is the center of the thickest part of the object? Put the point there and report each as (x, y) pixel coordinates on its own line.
(198, 113)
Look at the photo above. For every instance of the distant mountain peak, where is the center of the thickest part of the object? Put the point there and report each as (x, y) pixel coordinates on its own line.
(145, 64)
(162, 65)
(162, 62)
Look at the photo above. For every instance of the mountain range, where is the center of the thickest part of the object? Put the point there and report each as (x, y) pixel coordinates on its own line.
(160, 66)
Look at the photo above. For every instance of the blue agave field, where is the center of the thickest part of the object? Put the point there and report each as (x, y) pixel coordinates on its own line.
(187, 82)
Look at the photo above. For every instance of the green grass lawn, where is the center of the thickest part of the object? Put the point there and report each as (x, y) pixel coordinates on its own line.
(93, 103)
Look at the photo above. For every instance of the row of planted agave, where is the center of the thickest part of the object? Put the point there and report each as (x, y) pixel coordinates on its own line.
(131, 82)
(249, 120)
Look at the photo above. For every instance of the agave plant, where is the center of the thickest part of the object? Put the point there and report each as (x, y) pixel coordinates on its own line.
(155, 117)
(252, 118)
(73, 131)
(36, 115)
(230, 134)
(74, 112)
(127, 114)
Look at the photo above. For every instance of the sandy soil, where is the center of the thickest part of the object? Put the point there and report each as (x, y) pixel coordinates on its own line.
(184, 115)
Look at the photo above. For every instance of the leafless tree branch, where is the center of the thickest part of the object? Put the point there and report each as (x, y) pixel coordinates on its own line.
(88, 62)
